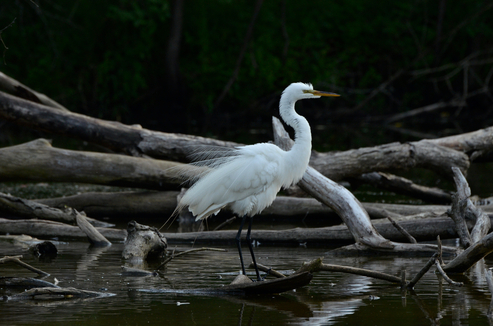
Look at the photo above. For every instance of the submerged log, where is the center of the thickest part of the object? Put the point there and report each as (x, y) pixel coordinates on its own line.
(245, 286)
(56, 294)
(25, 282)
(16, 260)
(143, 242)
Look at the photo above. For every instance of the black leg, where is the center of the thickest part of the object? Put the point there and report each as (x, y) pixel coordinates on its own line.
(238, 243)
(250, 246)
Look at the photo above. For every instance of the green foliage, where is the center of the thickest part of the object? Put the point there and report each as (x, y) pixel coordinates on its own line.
(106, 58)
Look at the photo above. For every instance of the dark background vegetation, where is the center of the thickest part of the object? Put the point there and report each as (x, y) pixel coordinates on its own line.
(217, 67)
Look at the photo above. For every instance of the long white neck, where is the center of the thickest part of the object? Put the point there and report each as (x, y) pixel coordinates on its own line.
(301, 150)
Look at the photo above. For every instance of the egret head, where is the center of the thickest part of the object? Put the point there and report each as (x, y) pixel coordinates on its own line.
(298, 91)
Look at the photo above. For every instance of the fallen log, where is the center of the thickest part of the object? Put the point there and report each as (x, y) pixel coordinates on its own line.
(19, 207)
(50, 229)
(143, 242)
(20, 90)
(132, 140)
(478, 243)
(94, 236)
(242, 285)
(390, 157)
(38, 161)
(422, 230)
(136, 141)
(121, 204)
(404, 186)
(470, 256)
(163, 203)
(25, 282)
(56, 294)
(345, 204)
(16, 260)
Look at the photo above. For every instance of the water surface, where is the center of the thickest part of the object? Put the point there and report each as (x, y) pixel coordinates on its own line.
(330, 299)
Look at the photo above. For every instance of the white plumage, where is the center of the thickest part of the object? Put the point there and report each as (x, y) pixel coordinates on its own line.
(248, 178)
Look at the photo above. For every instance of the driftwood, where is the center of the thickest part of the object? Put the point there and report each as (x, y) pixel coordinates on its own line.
(404, 186)
(133, 140)
(471, 255)
(345, 204)
(173, 255)
(94, 236)
(27, 208)
(352, 163)
(121, 204)
(479, 244)
(16, 260)
(402, 230)
(25, 282)
(143, 242)
(19, 207)
(39, 161)
(18, 89)
(137, 272)
(422, 272)
(50, 293)
(161, 203)
(316, 265)
(244, 286)
(137, 141)
(422, 230)
(461, 203)
(49, 229)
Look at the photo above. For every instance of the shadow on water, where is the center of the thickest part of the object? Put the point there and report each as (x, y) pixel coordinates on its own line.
(330, 299)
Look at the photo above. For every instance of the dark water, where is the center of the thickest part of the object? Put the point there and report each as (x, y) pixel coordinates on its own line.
(330, 299)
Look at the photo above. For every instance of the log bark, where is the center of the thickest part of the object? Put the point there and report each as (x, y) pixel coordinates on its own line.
(471, 255)
(57, 294)
(389, 157)
(143, 242)
(94, 236)
(120, 204)
(38, 161)
(128, 204)
(50, 229)
(18, 89)
(422, 230)
(16, 260)
(15, 206)
(137, 141)
(132, 140)
(404, 186)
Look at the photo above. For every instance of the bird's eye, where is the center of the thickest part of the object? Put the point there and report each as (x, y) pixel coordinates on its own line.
(307, 91)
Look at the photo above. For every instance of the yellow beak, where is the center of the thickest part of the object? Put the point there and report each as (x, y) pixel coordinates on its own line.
(322, 93)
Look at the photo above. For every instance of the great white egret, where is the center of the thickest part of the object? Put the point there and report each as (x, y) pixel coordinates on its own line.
(248, 178)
